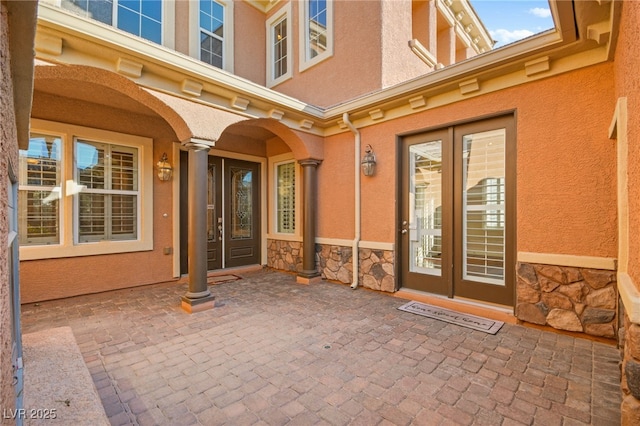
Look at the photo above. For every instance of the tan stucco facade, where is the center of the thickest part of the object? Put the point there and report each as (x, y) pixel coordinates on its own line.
(568, 92)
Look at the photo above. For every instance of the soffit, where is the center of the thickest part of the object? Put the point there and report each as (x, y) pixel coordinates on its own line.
(92, 93)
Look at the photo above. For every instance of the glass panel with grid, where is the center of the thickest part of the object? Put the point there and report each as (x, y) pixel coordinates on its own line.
(484, 206)
(142, 18)
(286, 198)
(280, 48)
(40, 190)
(316, 28)
(425, 209)
(107, 207)
(100, 10)
(211, 32)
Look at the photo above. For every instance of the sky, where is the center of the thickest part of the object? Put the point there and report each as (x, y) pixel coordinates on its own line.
(513, 20)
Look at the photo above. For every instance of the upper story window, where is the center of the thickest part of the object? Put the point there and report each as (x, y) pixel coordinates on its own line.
(139, 17)
(316, 43)
(279, 46)
(211, 32)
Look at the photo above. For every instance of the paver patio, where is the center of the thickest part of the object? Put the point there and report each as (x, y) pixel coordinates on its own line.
(275, 352)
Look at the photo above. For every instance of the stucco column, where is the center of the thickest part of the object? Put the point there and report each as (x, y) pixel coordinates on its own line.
(310, 190)
(198, 297)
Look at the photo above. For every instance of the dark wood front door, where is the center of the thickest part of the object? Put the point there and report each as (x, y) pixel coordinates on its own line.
(233, 213)
(457, 229)
(241, 213)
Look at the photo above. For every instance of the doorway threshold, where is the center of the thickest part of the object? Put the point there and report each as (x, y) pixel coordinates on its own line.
(234, 270)
(467, 306)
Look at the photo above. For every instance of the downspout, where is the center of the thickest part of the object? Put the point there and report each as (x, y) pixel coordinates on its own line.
(355, 255)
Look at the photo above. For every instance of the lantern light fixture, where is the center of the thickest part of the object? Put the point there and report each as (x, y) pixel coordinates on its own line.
(165, 171)
(368, 161)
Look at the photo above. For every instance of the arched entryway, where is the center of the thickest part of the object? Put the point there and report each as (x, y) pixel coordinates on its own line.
(240, 174)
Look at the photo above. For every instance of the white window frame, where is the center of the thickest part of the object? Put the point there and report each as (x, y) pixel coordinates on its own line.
(167, 21)
(274, 162)
(303, 36)
(56, 189)
(277, 198)
(68, 246)
(276, 18)
(227, 43)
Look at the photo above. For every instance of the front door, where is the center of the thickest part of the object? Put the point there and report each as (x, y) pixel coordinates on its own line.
(233, 213)
(457, 214)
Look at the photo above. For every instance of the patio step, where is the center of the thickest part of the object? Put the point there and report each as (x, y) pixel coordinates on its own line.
(57, 382)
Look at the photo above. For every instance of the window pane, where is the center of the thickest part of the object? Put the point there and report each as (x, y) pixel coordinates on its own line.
(286, 198)
(128, 21)
(100, 10)
(280, 48)
(210, 50)
(151, 30)
(124, 169)
(152, 9)
(241, 208)
(425, 208)
(316, 37)
(39, 217)
(133, 5)
(123, 217)
(91, 217)
(108, 204)
(484, 206)
(39, 184)
(211, 32)
(90, 165)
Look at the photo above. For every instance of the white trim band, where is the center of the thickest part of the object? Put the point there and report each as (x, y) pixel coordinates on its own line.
(592, 262)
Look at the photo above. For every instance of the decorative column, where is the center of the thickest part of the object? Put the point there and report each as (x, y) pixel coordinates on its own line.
(309, 173)
(198, 297)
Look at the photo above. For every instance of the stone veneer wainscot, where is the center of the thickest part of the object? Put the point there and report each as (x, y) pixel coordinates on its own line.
(568, 298)
(335, 263)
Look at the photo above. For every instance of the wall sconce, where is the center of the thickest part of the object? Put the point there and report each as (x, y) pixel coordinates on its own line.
(368, 161)
(165, 171)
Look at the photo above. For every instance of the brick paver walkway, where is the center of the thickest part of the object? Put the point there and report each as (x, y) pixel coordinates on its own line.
(275, 352)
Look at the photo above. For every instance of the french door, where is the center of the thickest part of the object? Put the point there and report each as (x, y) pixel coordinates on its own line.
(233, 213)
(457, 229)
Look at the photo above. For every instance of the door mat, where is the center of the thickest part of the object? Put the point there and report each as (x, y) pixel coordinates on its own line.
(466, 320)
(219, 279)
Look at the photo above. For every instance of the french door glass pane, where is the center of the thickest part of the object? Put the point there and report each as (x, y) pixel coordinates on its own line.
(241, 196)
(425, 208)
(483, 209)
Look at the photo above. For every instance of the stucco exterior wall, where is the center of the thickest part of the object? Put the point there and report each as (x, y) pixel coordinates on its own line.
(399, 63)
(350, 72)
(249, 43)
(565, 166)
(627, 84)
(8, 152)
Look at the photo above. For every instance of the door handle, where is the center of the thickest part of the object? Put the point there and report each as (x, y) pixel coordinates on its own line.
(404, 231)
(220, 227)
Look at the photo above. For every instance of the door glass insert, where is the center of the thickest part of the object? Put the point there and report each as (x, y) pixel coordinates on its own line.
(425, 208)
(241, 199)
(212, 224)
(483, 206)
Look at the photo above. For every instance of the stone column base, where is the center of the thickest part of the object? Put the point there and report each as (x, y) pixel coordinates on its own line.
(198, 305)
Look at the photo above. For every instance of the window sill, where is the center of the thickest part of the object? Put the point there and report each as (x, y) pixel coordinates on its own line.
(85, 249)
